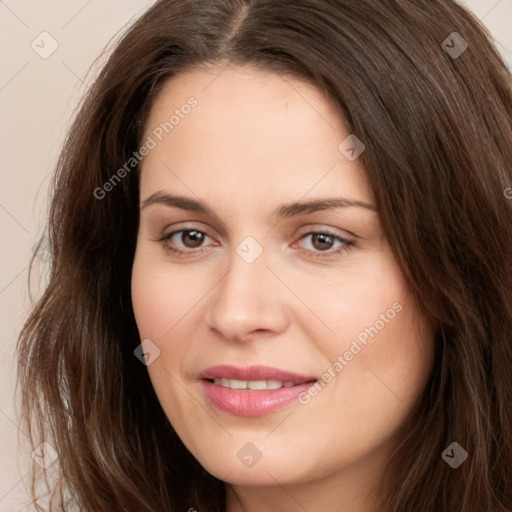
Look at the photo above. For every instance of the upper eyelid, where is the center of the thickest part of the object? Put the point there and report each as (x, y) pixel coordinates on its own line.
(174, 231)
(311, 227)
(308, 231)
(303, 231)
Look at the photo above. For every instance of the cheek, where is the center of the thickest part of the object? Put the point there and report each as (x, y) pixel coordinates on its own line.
(161, 297)
(381, 350)
(390, 359)
(385, 357)
(163, 304)
(359, 302)
(169, 308)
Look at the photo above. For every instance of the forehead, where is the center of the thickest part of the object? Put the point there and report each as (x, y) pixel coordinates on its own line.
(250, 132)
(248, 98)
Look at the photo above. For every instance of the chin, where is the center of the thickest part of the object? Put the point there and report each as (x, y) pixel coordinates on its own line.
(241, 464)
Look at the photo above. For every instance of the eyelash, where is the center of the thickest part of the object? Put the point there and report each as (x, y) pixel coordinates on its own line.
(346, 244)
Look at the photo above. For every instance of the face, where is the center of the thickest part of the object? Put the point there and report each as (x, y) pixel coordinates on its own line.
(284, 345)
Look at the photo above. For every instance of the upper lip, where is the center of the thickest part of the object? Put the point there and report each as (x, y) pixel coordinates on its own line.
(256, 372)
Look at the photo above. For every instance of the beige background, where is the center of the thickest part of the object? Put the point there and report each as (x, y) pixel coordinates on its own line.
(37, 99)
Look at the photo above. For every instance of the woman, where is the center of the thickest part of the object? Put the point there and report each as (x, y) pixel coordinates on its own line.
(281, 266)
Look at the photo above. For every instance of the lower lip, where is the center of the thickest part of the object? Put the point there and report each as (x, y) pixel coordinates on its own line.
(252, 403)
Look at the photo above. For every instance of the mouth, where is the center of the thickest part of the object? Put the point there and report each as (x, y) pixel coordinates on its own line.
(255, 373)
(254, 390)
(253, 385)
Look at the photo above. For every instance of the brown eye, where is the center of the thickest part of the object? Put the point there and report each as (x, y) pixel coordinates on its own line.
(325, 244)
(184, 241)
(192, 238)
(322, 241)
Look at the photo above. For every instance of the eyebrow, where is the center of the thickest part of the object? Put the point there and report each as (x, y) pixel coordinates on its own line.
(282, 211)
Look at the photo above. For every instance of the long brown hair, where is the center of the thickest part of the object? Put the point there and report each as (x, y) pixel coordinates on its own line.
(434, 110)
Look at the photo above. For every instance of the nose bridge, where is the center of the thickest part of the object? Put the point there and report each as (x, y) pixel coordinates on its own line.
(247, 299)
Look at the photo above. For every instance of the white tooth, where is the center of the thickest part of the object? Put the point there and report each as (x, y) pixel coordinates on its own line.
(238, 384)
(257, 384)
(254, 385)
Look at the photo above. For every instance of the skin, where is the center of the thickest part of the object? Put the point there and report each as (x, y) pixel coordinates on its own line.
(256, 140)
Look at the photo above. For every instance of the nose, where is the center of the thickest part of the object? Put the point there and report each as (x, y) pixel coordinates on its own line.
(248, 301)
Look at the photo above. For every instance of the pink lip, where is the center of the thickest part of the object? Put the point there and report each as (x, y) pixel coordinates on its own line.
(256, 372)
(252, 403)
